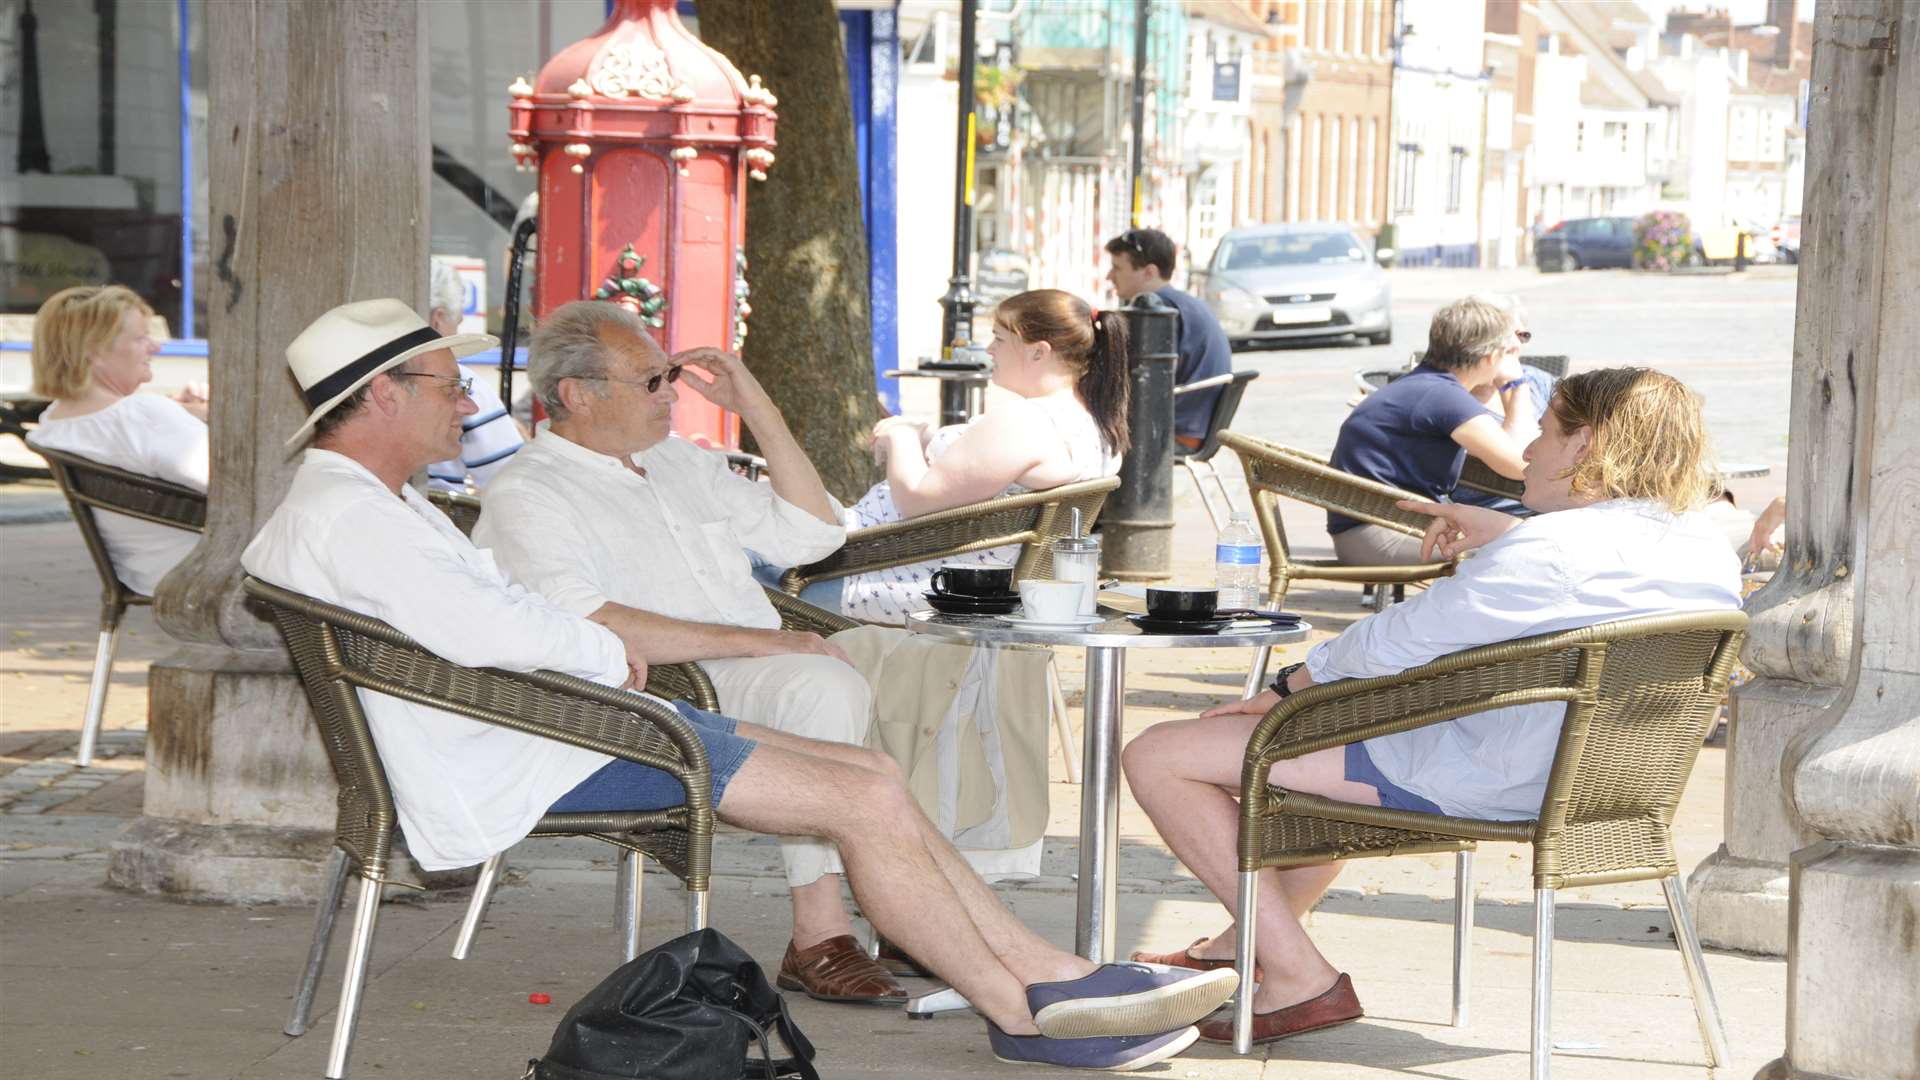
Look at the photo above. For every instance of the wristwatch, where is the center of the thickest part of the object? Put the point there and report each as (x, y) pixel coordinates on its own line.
(1279, 684)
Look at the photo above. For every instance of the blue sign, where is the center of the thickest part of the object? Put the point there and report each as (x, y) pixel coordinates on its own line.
(1226, 80)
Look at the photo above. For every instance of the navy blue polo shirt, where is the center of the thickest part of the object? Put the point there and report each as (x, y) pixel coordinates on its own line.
(1402, 434)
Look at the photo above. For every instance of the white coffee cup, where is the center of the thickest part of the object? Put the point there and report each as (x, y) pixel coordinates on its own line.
(1050, 599)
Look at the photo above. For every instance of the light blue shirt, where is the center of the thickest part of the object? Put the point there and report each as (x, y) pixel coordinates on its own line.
(1558, 571)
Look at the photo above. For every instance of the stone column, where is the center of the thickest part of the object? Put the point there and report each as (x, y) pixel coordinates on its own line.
(319, 144)
(1801, 643)
(1853, 773)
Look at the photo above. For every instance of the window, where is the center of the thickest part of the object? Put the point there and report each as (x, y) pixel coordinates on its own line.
(1456, 177)
(1334, 185)
(1353, 169)
(1579, 136)
(1404, 193)
(1614, 132)
(1370, 207)
(1337, 15)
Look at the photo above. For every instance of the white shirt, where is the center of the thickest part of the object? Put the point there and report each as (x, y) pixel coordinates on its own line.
(487, 439)
(464, 789)
(146, 434)
(584, 529)
(1558, 571)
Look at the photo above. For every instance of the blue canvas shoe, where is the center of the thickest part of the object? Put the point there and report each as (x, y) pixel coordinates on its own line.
(1127, 999)
(1118, 1054)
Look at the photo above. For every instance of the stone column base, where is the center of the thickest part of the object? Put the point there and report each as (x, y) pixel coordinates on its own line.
(1740, 904)
(1855, 937)
(228, 863)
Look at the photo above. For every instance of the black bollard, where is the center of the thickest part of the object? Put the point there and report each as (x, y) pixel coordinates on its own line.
(1136, 525)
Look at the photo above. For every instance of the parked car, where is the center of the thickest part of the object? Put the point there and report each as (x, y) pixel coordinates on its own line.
(1580, 243)
(1269, 284)
(1786, 238)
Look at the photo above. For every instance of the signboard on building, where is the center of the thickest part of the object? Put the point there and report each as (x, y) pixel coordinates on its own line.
(1226, 80)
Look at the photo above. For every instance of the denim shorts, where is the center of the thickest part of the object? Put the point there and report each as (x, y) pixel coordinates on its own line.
(1361, 770)
(622, 785)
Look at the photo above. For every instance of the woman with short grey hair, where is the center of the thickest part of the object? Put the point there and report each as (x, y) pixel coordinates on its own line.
(490, 436)
(1415, 432)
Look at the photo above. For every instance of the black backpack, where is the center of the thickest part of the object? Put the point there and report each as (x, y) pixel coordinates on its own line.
(694, 1008)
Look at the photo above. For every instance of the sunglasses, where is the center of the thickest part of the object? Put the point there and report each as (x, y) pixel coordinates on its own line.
(652, 383)
(1524, 335)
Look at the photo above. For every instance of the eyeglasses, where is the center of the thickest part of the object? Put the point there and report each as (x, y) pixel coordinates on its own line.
(652, 382)
(1524, 335)
(463, 382)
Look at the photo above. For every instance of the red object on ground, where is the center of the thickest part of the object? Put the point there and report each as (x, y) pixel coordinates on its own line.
(539, 999)
(644, 140)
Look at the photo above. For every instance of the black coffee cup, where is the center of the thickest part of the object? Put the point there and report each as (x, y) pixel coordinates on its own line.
(1182, 605)
(973, 580)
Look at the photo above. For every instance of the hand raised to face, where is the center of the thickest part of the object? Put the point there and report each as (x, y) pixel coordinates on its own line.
(727, 383)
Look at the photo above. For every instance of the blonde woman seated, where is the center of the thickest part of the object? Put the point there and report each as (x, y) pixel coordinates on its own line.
(1061, 420)
(92, 350)
(1617, 479)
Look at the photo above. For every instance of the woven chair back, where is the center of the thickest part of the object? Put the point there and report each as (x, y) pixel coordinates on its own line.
(1274, 470)
(464, 510)
(90, 486)
(1033, 520)
(336, 652)
(1625, 755)
(1480, 476)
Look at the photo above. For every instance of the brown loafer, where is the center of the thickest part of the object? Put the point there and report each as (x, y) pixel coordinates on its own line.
(838, 969)
(1185, 959)
(1337, 1006)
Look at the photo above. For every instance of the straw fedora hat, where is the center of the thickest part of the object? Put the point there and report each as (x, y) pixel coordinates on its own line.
(342, 349)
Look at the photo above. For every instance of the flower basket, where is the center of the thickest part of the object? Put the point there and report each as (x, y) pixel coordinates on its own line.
(1662, 240)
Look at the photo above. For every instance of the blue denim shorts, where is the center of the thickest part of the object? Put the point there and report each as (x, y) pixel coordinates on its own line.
(1361, 770)
(622, 785)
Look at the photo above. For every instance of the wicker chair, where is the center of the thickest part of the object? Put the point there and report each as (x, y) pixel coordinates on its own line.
(1480, 476)
(1201, 457)
(1640, 694)
(91, 486)
(1274, 470)
(1033, 520)
(338, 652)
(464, 510)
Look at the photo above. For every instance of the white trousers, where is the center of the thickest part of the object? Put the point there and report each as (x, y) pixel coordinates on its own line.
(800, 694)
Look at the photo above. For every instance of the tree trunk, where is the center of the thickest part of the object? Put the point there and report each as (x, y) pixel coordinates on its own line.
(811, 339)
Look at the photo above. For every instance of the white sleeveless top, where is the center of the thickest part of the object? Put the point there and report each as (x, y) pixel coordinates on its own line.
(887, 596)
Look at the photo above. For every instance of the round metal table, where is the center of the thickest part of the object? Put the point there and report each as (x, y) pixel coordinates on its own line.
(1106, 644)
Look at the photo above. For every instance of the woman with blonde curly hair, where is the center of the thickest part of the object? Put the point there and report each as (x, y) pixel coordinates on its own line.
(92, 350)
(1617, 479)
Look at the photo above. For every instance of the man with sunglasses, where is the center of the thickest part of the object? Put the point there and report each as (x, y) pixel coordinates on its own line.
(610, 516)
(1141, 261)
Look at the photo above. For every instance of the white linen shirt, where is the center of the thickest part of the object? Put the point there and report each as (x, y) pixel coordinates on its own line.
(464, 789)
(150, 435)
(584, 529)
(1571, 568)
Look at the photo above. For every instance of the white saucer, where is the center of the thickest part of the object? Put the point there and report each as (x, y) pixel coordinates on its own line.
(1077, 622)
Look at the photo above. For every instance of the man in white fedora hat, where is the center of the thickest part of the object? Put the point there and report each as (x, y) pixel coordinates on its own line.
(387, 400)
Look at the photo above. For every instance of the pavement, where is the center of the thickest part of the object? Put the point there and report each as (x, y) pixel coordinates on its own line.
(95, 982)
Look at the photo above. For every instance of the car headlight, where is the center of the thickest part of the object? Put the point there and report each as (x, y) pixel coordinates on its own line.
(1237, 309)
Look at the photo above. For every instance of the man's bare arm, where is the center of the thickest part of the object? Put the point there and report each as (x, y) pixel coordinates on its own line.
(658, 639)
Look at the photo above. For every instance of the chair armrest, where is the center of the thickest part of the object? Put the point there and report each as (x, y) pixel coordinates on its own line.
(1212, 383)
(797, 614)
(686, 682)
(1524, 672)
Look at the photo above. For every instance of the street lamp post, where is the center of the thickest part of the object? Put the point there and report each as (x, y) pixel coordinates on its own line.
(958, 352)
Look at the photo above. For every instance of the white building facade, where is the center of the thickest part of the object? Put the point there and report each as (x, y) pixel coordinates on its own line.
(1439, 133)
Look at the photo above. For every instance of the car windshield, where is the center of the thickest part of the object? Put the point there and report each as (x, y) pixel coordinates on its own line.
(1291, 249)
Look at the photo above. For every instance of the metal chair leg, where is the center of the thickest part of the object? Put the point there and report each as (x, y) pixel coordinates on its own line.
(1226, 496)
(365, 912)
(1201, 489)
(1540, 1053)
(97, 690)
(322, 937)
(1243, 958)
(696, 909)
(629, 873)
(1062, 721)
(477, 907)
(1257, 672)
(1462, 932)
(1705, 1008)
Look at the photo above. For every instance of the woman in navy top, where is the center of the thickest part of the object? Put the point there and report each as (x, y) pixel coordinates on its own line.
(1415, 432)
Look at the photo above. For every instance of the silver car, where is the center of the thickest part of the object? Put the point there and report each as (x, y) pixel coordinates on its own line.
(1270, 284)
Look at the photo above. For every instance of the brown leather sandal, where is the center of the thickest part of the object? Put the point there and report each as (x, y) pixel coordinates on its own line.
(838, 969)
(1185, 959)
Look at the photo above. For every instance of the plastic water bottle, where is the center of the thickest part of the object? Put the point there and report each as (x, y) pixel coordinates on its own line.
(1236, 563)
